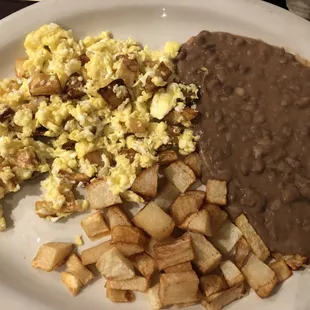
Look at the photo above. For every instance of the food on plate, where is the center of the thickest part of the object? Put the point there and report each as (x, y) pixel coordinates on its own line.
(216, 192)
(254, 105)
(231, 273)
(137, 283)
(71, 282)
(242, 251)
(128, 234)
(212, 284)
(281, 269)
(90, 112)
(193, 160)
(92, 255)
(52, 255)
(145, 264)
(95, 226)
(295, 262)
(120, 295)
(116, 217)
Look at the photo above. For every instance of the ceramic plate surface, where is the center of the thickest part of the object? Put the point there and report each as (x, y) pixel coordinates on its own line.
(153, 22)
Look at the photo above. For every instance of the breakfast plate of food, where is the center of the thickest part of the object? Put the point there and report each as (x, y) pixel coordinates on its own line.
(154, 154)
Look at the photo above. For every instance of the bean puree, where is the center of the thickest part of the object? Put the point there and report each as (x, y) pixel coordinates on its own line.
(255, 131)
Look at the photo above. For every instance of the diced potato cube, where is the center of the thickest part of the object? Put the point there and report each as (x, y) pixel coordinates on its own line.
(19, 69)
(186, 304)
(226, 237)
(95, 226)
(146, 182)
(282, 271)
(154, 221)
(216, 192)
(175, 288)
(199, 222)
(224, 298)
(180, 175)
(120, 295)
(71, 282)
(174, 253)
(212, 284)
(242, 251)
(257, 244)
(179, 268)
(116, 216)
(92, 255)
(186, 204)
(153, 296)
(259, 276)
(52, 255)
(193, 160)
(43, 84)
(145, 264)
(129, 249)
(167, 196)
(75, 266)
(232, 274)
(128, 234)
(167, 157)
(218, 216)
(100, 195)
(139, 284)
(112, 264)
(150, 246)
(207, 257)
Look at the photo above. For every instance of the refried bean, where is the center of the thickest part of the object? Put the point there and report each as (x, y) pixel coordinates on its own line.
(255, 132)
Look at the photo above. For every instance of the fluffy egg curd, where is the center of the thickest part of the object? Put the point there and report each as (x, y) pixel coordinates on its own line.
(86, 110)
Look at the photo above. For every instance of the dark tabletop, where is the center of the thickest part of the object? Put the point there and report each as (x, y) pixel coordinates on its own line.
(8, 7)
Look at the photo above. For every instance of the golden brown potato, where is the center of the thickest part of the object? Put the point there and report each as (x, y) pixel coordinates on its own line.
(95, 226)
(129, 249)
(242, 251)
(137, 127)
(175, 288)
(153, 297)
(293, 261)
(282, 271)
(146, 182)
(167, 196)
(212, 284)
(92, 255)
(74, 87)
(71, 282)
(189, 114)
(116, 216)
(128, 234)
(153, 220)
(43, 84)
(216, 192)
(95, 157)
(145, 264)
(137, 283)
(193, 160)
(128, 70)
(167, 157)
(179, 268)
(75, 176)
(52, 255)
(232, 274)
(120, 295)
(218, 217)
(175, 252)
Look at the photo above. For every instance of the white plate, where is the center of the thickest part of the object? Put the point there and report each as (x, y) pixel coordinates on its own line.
(152, 22)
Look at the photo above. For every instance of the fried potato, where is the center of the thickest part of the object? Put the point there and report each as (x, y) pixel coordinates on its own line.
(207, 257)
(175, 288)
(95, 226)
(74, 87)
(150, 246)
(257, 244)
(19, 69)
(226, 237)
(167, 196)
(232, 274)
(52, 255)
(128, 71)
(218, 216)
(282, 271)
(216, 192)
(179, 268)
(95, 157)
(224, 298)
(153, 296)
(173, 253)
(92, 255)
(153, 220)
(180, 175)
(137, 283)
(120, 295)
(128, 234)
(100, 196)
(129, 249)
(146, 182)
(186, 204)
(145, 264)
(242, 251)
(75, 267)
(116, 216)
(199, 222)
(43, 84)
(259, 276)
(212, 284)
(71, 282)
(112, 264)
(193, 161)
(167, 157)
(293, 261)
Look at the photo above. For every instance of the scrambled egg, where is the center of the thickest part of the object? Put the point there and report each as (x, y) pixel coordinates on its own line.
(61, 94)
